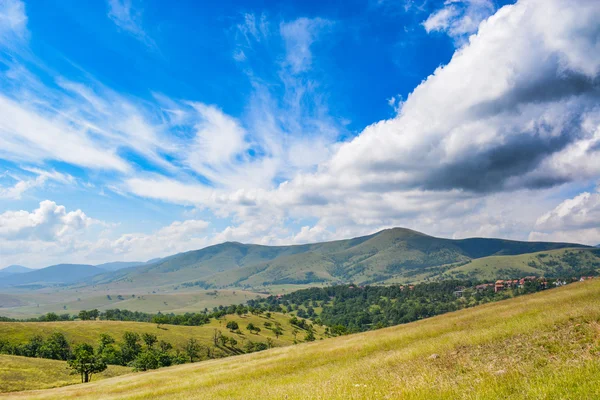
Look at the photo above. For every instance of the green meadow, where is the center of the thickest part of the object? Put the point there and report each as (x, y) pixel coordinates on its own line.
(540, 346)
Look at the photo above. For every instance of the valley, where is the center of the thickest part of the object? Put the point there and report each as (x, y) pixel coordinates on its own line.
(490, 351)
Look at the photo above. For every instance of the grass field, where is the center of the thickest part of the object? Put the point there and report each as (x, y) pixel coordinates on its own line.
(24, 373)
(71, 301)
(89, 331)
(541, 346)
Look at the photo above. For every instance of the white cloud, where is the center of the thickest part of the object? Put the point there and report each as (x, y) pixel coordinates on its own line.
(299, 35)
(459, 18)
(174, 238)
(122, 13)
(49, 222)
(24, 184)
(13, 22)
(576, 219)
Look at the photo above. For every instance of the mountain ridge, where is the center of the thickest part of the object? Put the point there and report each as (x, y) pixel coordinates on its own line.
(53, 274)
(367, 259)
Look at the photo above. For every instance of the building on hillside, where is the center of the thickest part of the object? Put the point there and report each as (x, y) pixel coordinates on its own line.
(458, 293)
(499, 286)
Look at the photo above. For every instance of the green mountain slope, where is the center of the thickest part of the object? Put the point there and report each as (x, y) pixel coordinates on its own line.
(540, 346)
(553, 263)
(389, 254)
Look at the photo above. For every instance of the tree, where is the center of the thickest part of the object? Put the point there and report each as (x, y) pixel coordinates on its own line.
(277, 331)
(160, 319)
(93, 314)
(149, 339)
(232, 326)
(310, 336)
(84, 315)
(130, 348)
(192, 349)
(216, 335)
(147, 359)
(56, 347)
(86, 363)
(32, 348)
(51, 317)
(253, 328)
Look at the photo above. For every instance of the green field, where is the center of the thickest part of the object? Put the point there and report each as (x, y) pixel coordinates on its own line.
(24, 373)
(541, 346)
(71, 301)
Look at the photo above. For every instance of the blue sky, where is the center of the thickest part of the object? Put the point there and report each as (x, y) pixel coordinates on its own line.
(136, 129)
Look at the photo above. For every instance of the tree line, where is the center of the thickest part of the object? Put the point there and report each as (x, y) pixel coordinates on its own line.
(350, 308)
(140, 351)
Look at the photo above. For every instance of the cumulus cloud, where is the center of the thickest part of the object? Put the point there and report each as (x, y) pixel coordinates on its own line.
(476, 149)
(176, 237)
(49, 222)
(576, 219)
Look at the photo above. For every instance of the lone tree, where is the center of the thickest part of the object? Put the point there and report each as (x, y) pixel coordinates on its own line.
(232, 326)
(86, 362)
(253, 328)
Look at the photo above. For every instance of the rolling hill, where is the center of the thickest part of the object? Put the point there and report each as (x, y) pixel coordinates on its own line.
(554, 263)
(55, 274)
(13, 269)
(25, 373)
(90, 331)
(543, 345)
(394, 253)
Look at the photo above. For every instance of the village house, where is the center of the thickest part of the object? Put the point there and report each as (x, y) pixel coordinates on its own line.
(499, 286)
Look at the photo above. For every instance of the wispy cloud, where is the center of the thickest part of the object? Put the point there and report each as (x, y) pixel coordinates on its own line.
(129, 19)
(13, 22)
(299, 35)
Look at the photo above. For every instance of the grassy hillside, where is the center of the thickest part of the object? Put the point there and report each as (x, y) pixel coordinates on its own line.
(89, 331)
(553, 263)
(544, 345)
(24, 373)
(392, 253)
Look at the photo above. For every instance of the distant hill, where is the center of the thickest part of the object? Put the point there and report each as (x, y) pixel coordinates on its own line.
(13, 269)
(16, 269)
(390, 254)
(55, 274)
(117, 265)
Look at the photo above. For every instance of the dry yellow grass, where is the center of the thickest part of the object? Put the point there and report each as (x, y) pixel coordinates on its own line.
(542, 346)
(89, 331)
(24, 373)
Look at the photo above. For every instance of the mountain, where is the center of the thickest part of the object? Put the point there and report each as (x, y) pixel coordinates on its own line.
(55, 274)
(117, 265)
(13, 269)
(16, 269)
(398, 253)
